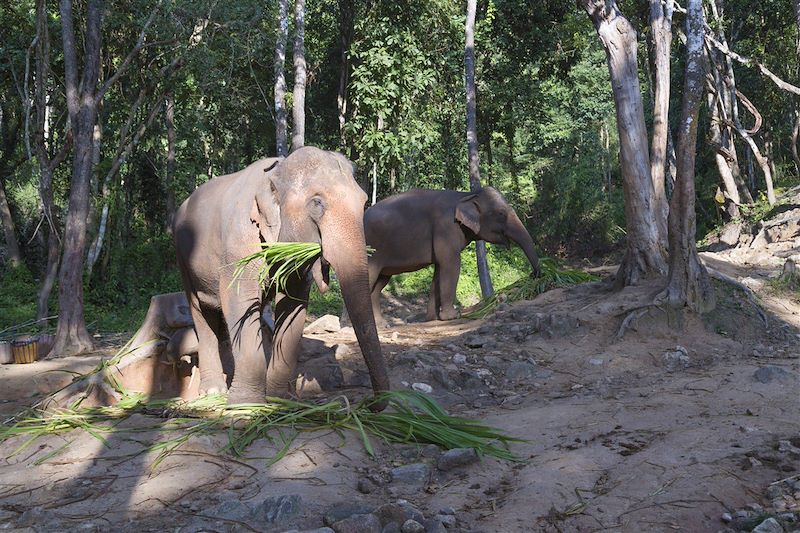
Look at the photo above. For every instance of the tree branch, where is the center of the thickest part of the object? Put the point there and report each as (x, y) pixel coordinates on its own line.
(127, 61)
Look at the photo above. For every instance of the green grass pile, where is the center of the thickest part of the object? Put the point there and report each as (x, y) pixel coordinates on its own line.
(276, 262)
(527, 288)
(411, 417)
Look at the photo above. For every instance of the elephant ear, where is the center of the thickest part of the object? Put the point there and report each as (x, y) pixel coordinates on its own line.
(266, 212)
(468, 213)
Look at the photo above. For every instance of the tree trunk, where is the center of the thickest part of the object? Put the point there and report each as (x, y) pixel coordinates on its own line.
(281, 140)
(169, 178)
(645, 249)
(725, 80)
(688, 284)
(346, 27)
(472, 140)
(795, 135)
(729, 189)
(12, 245)
(47, 162)
(299, 93)
(661, 28)
(72, 336)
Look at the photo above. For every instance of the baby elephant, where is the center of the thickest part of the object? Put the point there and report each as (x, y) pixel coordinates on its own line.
(412, 230)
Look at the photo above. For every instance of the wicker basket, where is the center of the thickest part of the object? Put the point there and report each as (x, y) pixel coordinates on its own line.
(25, 351)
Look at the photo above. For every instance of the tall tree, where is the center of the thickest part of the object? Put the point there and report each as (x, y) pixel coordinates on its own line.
(346, 27)
(688, 284)
(10, 125)
(299, 92)
(472, 139)
(169, 179)
(72, 336)
(48, 156)
(281, 139)
(645, 247)
(661, 38)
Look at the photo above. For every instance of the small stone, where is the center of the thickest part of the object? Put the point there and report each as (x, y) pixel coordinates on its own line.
(433, 525)
(677, 359)
(342, 351)
(785, 446)
(441, 376)
(344, 510)
(726, 517)
(459, 359)
(456, 457)
(365, 486)
(398, 513)
(770, 525)
(447, 520)
(412, 526)
(324, 324)
(413, 474)
(774, 491)
(447, 510)
(596, 361)
(767, 374)
(422, 387)
(276, 509)
(358, 523)
(391, 527)
(520, 370)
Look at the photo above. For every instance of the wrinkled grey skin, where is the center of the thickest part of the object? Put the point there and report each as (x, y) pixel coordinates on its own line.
(412, 230)
(310, 196)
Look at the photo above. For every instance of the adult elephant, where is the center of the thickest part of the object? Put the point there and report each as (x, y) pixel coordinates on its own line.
(412, 230)
(311, 196)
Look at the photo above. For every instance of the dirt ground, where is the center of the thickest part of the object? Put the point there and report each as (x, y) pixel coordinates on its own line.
(662, 425)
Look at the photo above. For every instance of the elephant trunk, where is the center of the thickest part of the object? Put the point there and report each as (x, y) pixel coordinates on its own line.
(347, 254)
(517, 233)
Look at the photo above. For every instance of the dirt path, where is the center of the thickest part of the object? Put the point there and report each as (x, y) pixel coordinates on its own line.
(657, 430)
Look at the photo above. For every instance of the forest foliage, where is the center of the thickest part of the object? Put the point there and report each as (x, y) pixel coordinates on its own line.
(546, 121)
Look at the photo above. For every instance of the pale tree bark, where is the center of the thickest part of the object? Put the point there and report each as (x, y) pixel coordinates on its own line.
(688, 284)
(723, 159)
(346, 28)
(49, 159)
(299, 92)
(72, 336)
(645, 247)
(10, 124)
(9, 232)
(661, 37)
(472, 139)
(281, 139)
(795, 135)
(169, 178)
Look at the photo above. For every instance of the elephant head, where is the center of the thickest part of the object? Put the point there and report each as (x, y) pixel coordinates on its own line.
(487, 214)
(312, 196)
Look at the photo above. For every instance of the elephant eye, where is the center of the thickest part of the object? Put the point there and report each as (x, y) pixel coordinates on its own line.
(316, 207)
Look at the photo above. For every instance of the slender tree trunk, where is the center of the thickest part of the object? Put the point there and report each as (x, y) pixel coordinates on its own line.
(12, 245)
(645, 249)
(169, 178)
(688, 284)
(729, 189)
(661, 28)
(47, 162)
(795, 135)
(71, 334)
(299, 93)
(346, 20)
(472, 140)
(281, 139)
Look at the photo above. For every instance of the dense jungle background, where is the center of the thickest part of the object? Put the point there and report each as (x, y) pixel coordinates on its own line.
(189, 94)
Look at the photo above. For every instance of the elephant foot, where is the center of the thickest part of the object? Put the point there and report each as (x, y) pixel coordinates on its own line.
(449, 314)
(213, 386)
(237, 396)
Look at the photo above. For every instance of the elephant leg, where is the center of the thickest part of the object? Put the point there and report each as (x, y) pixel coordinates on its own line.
(448, 280)
(434, 300)
(375, 295)
(241, 307)
(290, 318)
(206, 324)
